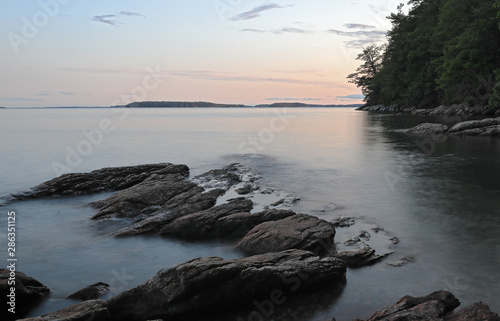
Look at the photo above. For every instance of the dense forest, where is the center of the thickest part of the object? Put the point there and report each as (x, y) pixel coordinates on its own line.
(441, 52)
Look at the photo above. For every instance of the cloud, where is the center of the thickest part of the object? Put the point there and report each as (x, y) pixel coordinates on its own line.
(213, 76)
(110, 19)
(291, 30)
(363, 37)
(293, 99)
(225, 76)
(63, 93)
(358, 26)
(105, 19)
(351, 97)
(255, 12)
(131, 14)
(19, 99)
(279, 31)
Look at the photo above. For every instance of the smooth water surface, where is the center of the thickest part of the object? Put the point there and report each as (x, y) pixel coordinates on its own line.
(441, 198)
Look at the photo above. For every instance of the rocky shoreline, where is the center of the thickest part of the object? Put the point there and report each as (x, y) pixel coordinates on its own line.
(451, 110)
(288, 255)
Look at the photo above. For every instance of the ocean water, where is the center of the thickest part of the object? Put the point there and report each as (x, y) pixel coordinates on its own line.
(440, 197)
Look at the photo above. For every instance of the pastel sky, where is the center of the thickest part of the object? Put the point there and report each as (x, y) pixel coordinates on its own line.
(102, 53)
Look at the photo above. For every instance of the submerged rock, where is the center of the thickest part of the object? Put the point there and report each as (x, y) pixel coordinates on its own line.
(211, 286)
(101, 180)
(91, 292)
(361, 256)
(28, 292)
(298, 231)
(93, 310)
(437, 306)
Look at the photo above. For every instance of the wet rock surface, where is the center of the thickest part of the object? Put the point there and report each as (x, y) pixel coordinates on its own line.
(488, 127)
(28, 292)
(437, 306)
(214, 285)
(101, 180)
(93, 310)
(230, 220)
(297, 231)
(91, 292)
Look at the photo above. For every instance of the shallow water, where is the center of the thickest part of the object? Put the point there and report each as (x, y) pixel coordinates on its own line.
(444, 206)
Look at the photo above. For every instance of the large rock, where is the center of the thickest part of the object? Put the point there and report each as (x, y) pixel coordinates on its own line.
(485, 127)
(477, 311)
(102, 180)
(298, 231)
(473, 124)
(437, 306)
(361, 256)
(428, 129)
(94, 310)
(223, 221)
(28, 292)
(145, 197)
(91, 292)
(207, 286)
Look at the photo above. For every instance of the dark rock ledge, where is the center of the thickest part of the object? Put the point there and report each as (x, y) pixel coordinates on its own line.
(212, 286)
(437, 306)
(489, 127)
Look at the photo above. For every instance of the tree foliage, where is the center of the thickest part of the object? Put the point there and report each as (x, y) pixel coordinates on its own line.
(440, 52)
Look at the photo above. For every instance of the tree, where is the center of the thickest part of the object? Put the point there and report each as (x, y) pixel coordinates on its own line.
(371, 57)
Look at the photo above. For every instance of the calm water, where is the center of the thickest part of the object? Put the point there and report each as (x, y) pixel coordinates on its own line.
(443, 206)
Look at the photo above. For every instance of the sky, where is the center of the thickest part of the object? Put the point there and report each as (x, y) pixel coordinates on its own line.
(113, 52)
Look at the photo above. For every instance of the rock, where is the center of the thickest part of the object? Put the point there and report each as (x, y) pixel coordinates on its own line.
(102, 180)
(90, 292)
(473, 124)
(159, 201)
(428, 129)
(437, 306)
(431, 307)
(476, 311)
(343, 221)
(207, 286)
(298, 231)
(364, 234)
(28, 291)
(224, 221)
(402, 261)
(247, 189)
(137, 199)
(361, 256)
(94, 310)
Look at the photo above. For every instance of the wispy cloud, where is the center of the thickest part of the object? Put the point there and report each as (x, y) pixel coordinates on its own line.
(293, 99)
(256, 12)
(291, 30)
(63, 93)
(105, 19)
(131, 14)
(363, 37)
(226, 76)
(19, 99)
(358, 26)
(111, 19)
(351, 97)
(213, 76)
(280, 31)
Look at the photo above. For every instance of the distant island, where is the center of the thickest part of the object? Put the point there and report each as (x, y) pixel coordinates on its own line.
(204, 104)
(178, 104)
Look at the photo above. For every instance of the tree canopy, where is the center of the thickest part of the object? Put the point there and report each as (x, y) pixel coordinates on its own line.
(440, 52)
